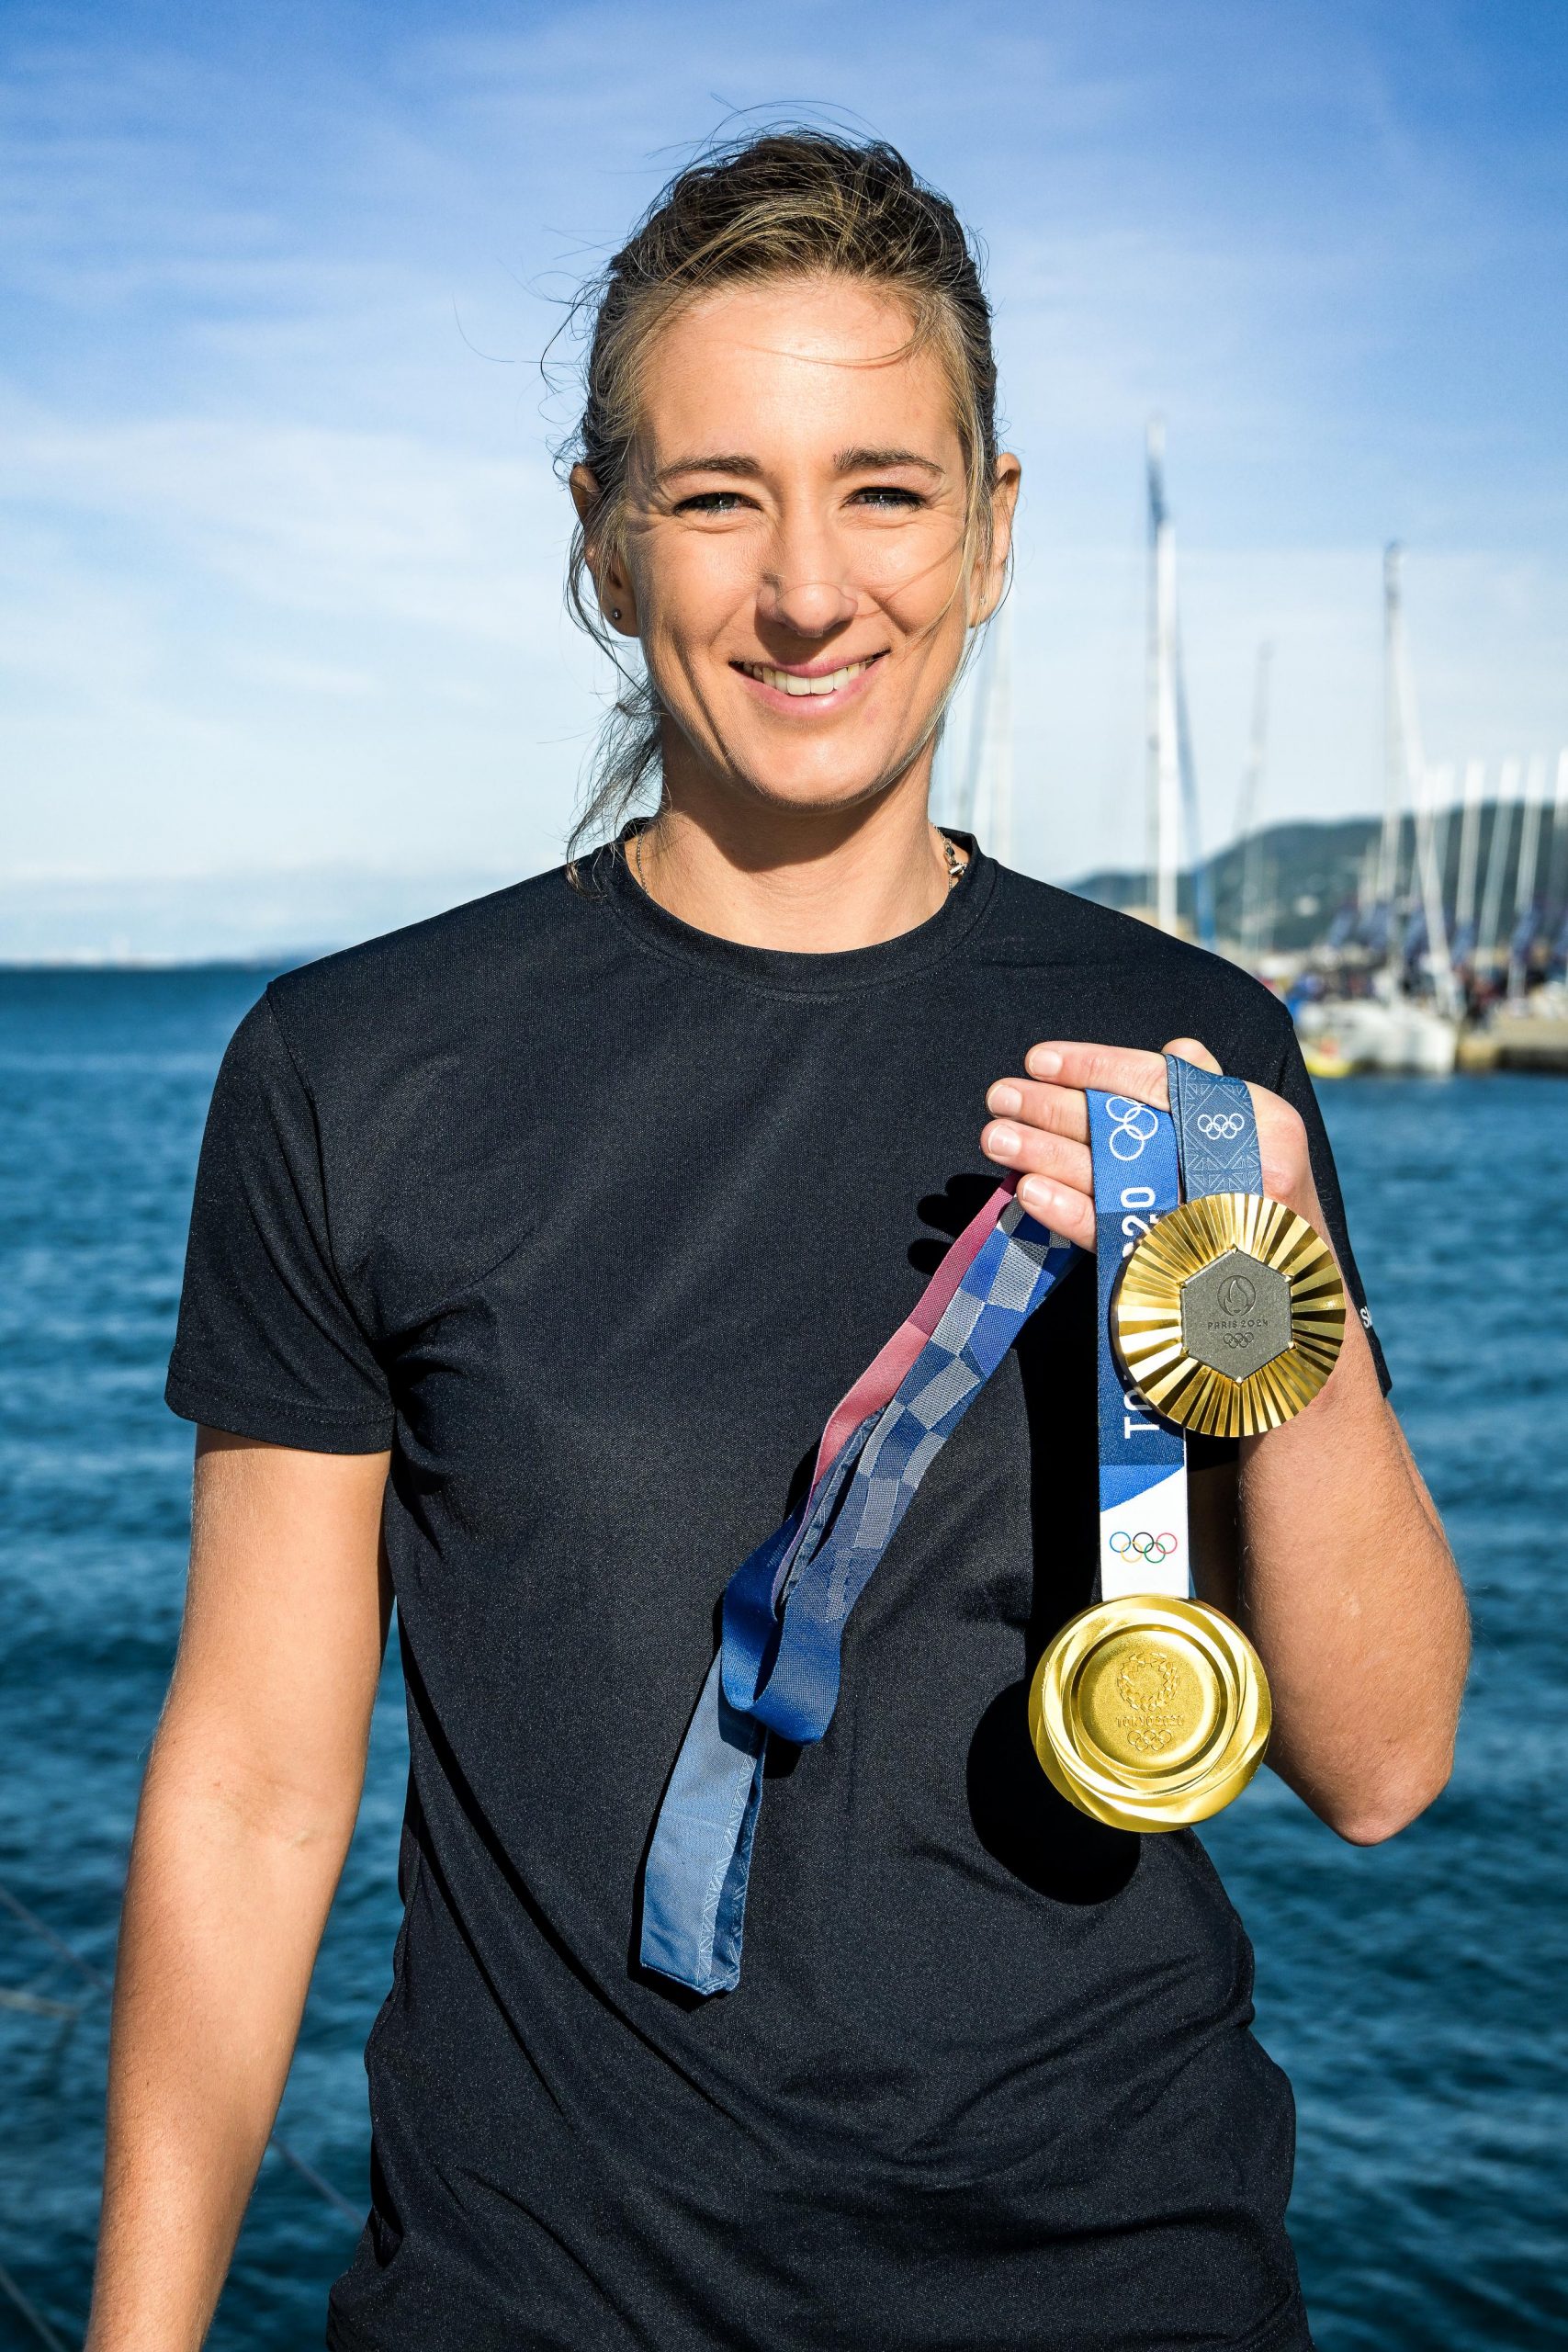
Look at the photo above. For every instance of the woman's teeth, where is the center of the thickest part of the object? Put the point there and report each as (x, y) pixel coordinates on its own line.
(787, 682)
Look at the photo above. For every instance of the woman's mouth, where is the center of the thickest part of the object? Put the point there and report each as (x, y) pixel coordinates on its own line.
(803, 691)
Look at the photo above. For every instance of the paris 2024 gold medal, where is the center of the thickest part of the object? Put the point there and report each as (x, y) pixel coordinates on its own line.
(1150, 1710)
(1229, 1315)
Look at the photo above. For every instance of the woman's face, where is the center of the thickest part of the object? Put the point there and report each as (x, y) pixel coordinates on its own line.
(794, 548)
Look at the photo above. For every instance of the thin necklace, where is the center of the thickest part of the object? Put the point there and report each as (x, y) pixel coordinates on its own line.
(637, 864)
(957, 862)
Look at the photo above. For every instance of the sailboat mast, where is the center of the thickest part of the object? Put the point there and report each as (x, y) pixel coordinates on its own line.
(1408, 781)
(1442, 826)
(1164, 746)
(1469, 853)
(1497, 847)
(1429, 785)
(1395, 754)
(1555, 897)
(1524, 880)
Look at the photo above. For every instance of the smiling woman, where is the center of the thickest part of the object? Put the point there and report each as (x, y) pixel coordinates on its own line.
(531, 1249)
(802, 604)
(789, 493)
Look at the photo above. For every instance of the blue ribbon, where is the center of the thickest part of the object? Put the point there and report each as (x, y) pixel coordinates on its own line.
(1137, 1179)
(786, 1609)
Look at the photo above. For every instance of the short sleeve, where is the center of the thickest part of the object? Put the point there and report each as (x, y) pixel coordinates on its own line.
(1292, 1082)
(267, 1344)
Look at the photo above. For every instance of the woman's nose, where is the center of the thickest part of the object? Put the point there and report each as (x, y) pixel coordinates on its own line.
(806, 608)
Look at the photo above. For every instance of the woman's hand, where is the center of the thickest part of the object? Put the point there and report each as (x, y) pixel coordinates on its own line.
(1040, 1130)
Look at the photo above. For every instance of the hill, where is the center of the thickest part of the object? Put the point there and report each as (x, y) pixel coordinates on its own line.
(1307, 872)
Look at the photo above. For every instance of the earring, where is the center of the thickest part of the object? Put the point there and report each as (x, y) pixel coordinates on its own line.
(615, 612)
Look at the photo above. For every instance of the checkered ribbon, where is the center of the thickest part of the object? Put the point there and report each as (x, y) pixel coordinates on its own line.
(785, 1608)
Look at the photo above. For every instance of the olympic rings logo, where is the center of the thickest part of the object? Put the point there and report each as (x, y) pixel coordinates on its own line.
(1143, 1546)
(1133, 1124)
(1220, 1126)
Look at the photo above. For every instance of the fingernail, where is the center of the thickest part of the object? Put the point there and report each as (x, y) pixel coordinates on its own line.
(1045, 1061)
(1004, 1142)
(1037, 1194)
(1005, 1098)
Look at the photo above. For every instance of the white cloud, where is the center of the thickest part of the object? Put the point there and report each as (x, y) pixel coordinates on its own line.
(351, 522)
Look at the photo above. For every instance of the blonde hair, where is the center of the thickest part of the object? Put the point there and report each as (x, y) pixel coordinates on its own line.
(775, 204)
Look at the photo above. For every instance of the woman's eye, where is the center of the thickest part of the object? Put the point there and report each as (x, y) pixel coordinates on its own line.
(889, 496)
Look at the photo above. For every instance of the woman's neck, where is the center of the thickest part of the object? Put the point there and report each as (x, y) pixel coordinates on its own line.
(813, 882)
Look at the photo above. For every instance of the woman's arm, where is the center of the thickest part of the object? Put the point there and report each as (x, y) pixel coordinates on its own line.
(1350, 1593)
(1345, 1585)
(246, 1811)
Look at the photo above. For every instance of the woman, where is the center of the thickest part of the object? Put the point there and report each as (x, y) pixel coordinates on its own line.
(533, 1245)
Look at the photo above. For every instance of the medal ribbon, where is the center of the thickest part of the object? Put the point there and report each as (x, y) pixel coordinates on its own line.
(1142, 1461)
(785, 1608)
(1145, 1162)
(1216, 1131)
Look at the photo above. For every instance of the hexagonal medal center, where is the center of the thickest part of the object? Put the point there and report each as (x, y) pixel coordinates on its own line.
(1236, 1315)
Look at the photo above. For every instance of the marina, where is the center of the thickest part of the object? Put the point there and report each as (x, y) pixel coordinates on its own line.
(1432, 939)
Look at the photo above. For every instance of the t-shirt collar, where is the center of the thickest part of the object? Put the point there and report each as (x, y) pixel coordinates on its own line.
(786, 971)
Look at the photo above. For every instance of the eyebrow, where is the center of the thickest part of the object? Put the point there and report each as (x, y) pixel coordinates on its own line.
(859, 461)
(845, 461)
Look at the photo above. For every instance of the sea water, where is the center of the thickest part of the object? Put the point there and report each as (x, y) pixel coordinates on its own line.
(1415, 1992)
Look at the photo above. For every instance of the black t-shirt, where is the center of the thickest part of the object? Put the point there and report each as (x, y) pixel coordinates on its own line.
(591, 1217)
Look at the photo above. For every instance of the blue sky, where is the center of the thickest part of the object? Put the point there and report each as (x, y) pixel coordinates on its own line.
(281, 544)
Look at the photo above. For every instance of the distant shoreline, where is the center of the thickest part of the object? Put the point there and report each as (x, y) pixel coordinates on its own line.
(286, 959)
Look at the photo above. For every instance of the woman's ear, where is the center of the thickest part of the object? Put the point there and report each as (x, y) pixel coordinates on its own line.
(612, 581)
(990, 577)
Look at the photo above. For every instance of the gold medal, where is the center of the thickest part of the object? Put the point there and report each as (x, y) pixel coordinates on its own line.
(1229, 1315)
(1150, 1711)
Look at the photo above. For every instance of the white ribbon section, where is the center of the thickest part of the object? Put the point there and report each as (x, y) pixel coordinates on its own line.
(1144, 1543)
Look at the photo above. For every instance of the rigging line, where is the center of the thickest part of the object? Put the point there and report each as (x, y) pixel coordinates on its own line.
(95, 1976)
(323, 2189)
(30, 2312)
(56, 1944)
